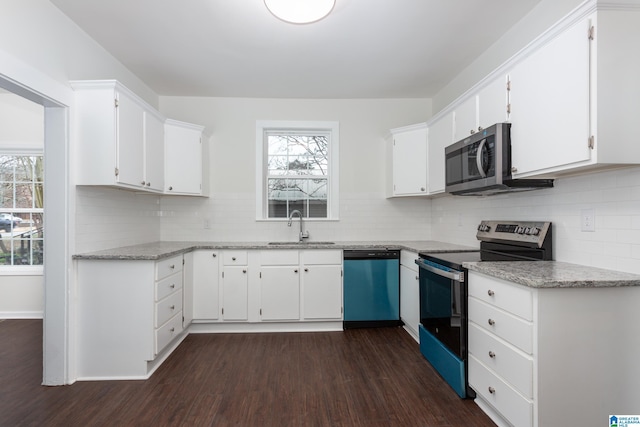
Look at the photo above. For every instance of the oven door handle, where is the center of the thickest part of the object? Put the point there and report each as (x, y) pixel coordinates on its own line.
(458, 276)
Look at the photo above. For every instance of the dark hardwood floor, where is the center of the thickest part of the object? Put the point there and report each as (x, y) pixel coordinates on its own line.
(361, 377)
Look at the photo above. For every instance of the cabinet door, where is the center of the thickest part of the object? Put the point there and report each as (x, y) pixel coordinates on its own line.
(550, 104)
(440, 136)
(409, 299)
(183, 158)
(154, 151)
(235, 293)
(187, 289)
(206, 295)
(410, 162)
(130, 141)
(465, 119)
(322, 289)
(280, 292)
(492, 103)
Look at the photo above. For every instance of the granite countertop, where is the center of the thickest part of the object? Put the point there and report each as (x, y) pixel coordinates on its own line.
(554, 274)
(161, 250)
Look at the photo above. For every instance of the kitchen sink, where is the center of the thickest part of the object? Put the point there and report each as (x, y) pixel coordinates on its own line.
(301, 243)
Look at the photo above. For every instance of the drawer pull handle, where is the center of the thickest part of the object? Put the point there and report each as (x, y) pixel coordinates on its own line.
(172, 330)
(492, 390)
(492, 322)
(173, 286)
(492, 354)
(491, 293)
(172, 307)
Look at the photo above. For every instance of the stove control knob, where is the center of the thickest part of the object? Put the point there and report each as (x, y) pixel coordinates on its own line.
(480, 227)
(527, 231)
(535, 231)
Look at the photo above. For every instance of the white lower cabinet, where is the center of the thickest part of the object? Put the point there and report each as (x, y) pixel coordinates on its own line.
(321, 283)
(280, 292)
(130, 314)
(206, 287)
(410, 293)
(552, 356)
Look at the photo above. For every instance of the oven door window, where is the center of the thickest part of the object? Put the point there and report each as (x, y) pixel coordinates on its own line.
(472, 162)
(441, 309)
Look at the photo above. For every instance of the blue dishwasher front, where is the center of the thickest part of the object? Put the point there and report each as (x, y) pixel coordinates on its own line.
(371, 288)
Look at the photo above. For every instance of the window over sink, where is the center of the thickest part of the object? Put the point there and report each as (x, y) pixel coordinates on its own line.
(297, 169)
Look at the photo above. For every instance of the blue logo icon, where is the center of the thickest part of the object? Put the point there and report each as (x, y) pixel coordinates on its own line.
(613, 421)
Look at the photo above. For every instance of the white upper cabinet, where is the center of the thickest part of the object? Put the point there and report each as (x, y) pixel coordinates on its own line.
(550, 104)
(123, 142)
(440, 136)
(154, 151)
(493, 103)
(465, 118)
(407, 175)
(183, 158)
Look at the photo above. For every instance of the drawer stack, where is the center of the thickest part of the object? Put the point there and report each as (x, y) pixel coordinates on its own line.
(168, 301)
(501, 343)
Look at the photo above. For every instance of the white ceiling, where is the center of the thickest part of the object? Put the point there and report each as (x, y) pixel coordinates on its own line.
(236, 48)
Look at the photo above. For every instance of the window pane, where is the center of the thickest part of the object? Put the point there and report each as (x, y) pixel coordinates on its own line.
(24, 196)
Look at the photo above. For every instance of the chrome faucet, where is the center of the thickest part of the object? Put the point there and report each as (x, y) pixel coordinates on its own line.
(303, 234)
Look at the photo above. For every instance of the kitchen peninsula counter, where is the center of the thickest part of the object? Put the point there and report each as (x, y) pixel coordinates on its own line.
(554, 274)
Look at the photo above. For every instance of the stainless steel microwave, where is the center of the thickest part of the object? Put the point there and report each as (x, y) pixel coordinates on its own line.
(480, 165)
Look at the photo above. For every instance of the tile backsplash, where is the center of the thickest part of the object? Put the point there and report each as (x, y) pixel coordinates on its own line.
(614, 197)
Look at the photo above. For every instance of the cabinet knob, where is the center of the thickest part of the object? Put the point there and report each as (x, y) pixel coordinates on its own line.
(170, 188)
(214, 255)
(295, 271)
(172, 330)
(172, 307)
(492, 354)
(422, 189)
(492, 322)
(172, 266)
(306, 270)
(490, 293)
(148, 184)
(471, 132)
(244, 271)
(492, 390)
(143, 183)
(173, 286)
(417, 277)
(514, 169)
(479, 128)
(233, 258)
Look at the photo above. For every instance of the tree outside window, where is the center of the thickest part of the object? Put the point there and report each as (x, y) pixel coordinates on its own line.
(297, 173)
(21, 210)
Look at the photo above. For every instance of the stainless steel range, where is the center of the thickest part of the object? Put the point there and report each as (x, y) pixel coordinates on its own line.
(444, 291)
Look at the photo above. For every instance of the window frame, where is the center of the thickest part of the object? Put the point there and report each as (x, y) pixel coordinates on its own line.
(333, 188)
(26, 149)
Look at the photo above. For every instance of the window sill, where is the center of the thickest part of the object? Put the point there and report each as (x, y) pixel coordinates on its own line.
(296, 220)
(18, 270)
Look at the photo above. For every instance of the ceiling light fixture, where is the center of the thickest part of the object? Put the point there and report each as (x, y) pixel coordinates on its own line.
(300, 11)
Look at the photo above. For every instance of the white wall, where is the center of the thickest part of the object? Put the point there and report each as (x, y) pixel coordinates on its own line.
(614, 195)
(365, 214)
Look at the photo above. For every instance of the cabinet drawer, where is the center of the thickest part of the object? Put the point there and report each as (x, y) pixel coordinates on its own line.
(509, 297)
(169, 266)
(495, 391)
(168, 285)
(320, 256)
(510, 328)
(234, 257)
(508, 363)
(168, 307)
(408, 259)
(168, 331)
(276, 257)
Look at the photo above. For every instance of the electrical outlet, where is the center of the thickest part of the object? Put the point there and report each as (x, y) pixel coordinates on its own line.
(588, 221)
(206, 224)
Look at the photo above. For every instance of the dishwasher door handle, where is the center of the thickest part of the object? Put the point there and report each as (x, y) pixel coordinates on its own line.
(458, 276)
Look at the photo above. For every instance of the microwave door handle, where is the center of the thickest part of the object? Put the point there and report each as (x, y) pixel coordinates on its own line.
(483, 173)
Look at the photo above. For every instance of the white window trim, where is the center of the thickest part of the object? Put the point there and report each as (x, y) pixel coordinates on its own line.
(333, 194)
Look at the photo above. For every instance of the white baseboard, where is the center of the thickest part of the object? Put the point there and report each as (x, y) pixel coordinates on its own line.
(21, 315)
